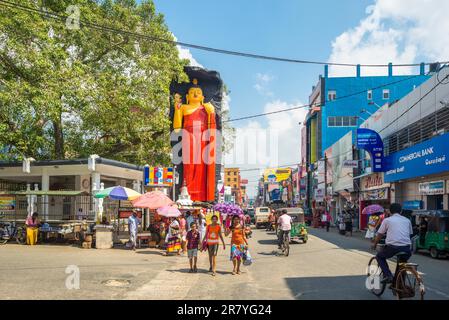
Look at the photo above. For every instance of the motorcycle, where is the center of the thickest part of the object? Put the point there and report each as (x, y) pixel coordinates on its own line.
(9, 231)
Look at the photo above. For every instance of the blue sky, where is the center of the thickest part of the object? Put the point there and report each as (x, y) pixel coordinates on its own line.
(287, 28)
(348, 31)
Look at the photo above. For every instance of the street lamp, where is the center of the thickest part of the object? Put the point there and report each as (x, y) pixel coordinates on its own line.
(365, 111)
(371, 103)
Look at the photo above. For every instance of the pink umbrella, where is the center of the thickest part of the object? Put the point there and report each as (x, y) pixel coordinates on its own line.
(169, 212)
(374, 208)
(152, 200)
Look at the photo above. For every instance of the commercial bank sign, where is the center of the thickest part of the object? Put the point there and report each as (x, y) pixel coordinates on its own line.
(426, 158)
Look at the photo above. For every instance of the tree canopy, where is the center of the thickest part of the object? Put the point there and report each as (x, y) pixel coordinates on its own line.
(67, 93)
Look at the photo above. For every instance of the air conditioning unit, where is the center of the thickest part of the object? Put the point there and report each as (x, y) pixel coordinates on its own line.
(434, 67)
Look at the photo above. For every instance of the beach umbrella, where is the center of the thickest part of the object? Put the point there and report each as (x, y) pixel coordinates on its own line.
(168, 211)
(152, 200)
(117, 193)
(374, 208)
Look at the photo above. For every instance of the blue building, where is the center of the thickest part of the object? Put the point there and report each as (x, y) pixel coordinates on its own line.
(341, 104)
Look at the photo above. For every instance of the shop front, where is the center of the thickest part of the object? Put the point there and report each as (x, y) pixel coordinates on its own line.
(420, 175)
(373, 190)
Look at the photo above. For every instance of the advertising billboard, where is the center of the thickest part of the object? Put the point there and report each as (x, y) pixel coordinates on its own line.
(371, 142)
(158, 176)
(277, 174)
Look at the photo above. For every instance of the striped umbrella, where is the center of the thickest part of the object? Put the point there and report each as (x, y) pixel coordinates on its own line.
(118, 193)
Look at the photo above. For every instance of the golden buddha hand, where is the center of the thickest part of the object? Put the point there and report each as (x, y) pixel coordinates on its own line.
(209, 108)
(178, 100)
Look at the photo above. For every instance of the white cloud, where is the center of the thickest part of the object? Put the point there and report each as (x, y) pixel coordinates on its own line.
(185, 53)
(262, 82)
(399, 31)
(287, 132)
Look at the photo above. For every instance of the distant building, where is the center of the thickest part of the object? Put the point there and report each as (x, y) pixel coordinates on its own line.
(340, 105)
(232, 179)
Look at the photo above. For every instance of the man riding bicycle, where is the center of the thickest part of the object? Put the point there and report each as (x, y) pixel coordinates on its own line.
(284, 225)
(398, 230)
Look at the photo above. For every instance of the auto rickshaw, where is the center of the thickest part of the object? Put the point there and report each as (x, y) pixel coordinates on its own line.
(436, 239)
(299, 228)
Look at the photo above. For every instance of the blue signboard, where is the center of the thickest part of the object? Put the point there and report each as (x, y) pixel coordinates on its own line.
(370, 141)
(429, 157)
(276, 195)
(413, 205)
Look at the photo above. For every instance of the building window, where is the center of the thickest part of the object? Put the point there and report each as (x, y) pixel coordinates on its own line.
(345, 121)
(370, 95)
(386, 94)
(331, 95)
(235, 179)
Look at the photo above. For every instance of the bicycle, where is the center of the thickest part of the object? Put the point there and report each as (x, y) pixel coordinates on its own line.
(285, 246)
(406, 280)
(9, 231)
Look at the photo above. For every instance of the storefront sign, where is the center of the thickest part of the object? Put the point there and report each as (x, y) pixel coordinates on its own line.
(158, 176)
(277, 175)
(321, 170)
(371, 142)
(373, 181)
(350, 164)
(7, 203)
(423, 159)
(378, 194)
(431, 188)
(413, 205)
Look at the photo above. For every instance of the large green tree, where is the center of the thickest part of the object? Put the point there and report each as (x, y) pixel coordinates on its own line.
(67, 93)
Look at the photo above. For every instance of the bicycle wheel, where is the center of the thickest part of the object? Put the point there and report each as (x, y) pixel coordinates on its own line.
(375, 275)
(286, 246)
(409, 284)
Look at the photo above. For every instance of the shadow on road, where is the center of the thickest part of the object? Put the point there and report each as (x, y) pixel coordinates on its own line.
(330, 288)
(270, 242)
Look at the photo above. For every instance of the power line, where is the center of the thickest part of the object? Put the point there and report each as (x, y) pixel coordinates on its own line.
(56, 16)
(198, 47)
(439, 82)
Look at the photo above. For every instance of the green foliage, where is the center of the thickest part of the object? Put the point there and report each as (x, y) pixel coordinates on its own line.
(68, 93)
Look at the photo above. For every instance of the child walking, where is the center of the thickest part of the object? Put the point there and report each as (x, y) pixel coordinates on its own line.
(193, 240)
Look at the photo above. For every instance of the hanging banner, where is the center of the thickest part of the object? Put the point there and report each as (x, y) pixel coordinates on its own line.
(158, 176)
(371, 142)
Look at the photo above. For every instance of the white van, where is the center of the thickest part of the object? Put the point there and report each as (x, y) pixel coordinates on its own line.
(261, 216)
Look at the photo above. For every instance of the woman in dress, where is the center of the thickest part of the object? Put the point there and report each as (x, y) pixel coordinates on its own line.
(32, 226)
(238, 243)
(173, 237)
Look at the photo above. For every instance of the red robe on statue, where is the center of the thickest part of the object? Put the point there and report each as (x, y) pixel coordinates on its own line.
(198, 154)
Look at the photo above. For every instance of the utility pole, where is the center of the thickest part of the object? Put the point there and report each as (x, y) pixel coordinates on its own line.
(325, 180)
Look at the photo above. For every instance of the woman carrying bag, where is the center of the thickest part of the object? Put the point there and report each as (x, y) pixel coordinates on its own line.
(239, 244)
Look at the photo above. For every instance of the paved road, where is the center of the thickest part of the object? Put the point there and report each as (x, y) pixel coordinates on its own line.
(329, 266)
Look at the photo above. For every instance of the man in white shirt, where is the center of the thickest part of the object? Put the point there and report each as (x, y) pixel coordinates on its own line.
(398, 230)
(285, 225)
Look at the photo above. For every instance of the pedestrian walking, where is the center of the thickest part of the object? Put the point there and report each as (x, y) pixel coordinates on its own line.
(212, 238)
(133, 227)
(239, 244)
(32, 226)
(173, 239)
(348, 223)
(201, 225)
(189, 220)
(183, 233)
(326, 218)
(193, 240)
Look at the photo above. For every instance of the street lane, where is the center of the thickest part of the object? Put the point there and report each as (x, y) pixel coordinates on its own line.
(328, 266)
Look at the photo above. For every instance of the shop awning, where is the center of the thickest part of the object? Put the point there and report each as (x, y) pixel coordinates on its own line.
(44, 193)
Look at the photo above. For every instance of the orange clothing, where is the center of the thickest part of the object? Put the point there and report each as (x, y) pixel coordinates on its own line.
(213, 234)
(237, 236)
